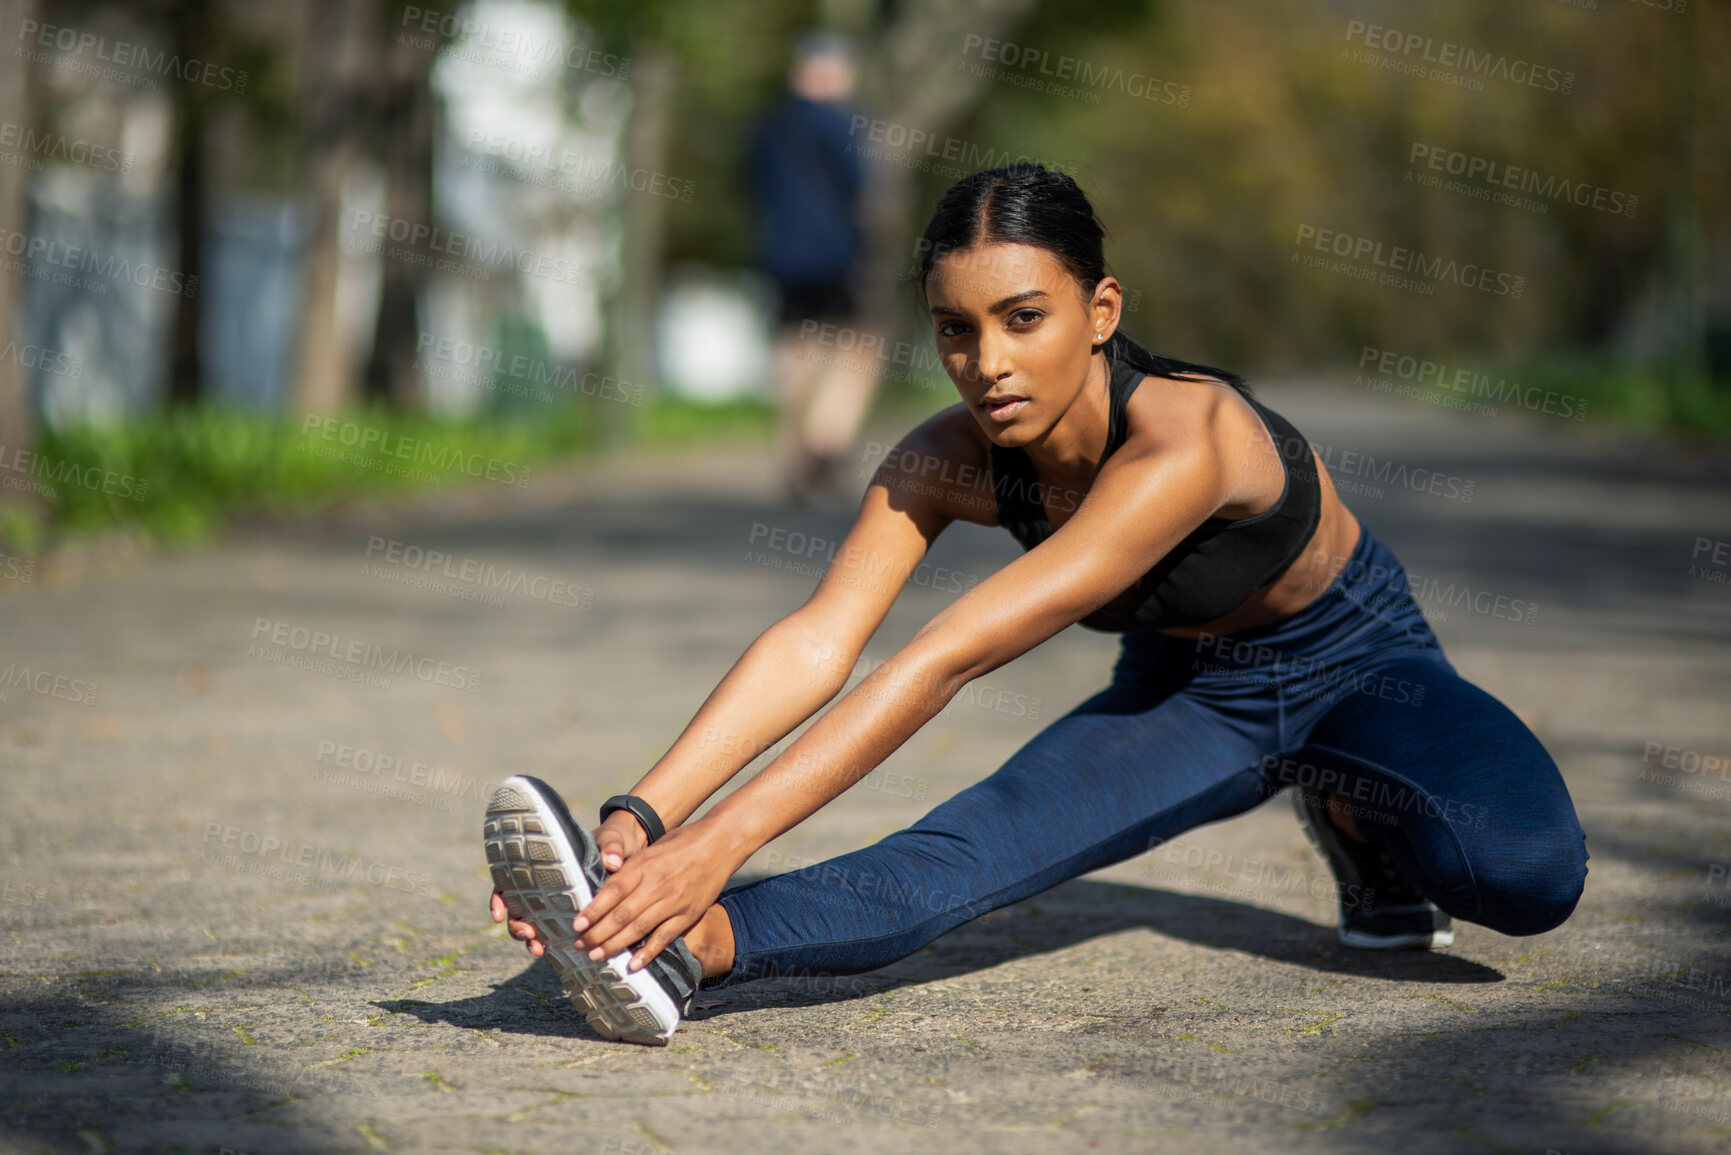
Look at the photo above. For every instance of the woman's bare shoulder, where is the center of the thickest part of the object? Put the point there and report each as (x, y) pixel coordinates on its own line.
(944, 460)
(1180, 408)
(1187, 411)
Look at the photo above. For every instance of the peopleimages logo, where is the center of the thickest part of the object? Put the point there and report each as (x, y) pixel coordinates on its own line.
(47, 684)
(485, 365)
(507, 41)
(917, 144)
(126, 55)
(1661, 756)
(250, 848)
(854, 566)
(51, 146)
(595, 171)
(41, 256)
(92, 477)
(362, 656)
(391, 775)
(1026, 58)
(50, 361)
(1523, 180)
(483, 576)
(407, 449)
(1437, 375)
(18, 569)
(1449, 55)
(1398, 259)
(463, 252)
(1718, 553)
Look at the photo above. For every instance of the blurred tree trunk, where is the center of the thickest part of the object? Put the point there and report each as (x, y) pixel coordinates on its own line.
(16, 81)
(908, 76)
(336, 48)
(186, 361)
(406, 119)
(1681, 259)
(630, 343)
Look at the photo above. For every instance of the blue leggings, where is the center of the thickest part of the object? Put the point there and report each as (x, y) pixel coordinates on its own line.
(1352, 696)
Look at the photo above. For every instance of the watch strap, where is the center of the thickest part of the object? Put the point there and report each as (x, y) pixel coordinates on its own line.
(641, 810)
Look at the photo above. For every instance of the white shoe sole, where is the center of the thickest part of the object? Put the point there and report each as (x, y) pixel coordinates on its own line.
(1363, 941)
(540, 876)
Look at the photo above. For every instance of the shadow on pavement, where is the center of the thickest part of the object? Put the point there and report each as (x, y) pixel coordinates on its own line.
(1065, 916)
(532, 1003)
(93, 1064)
(1077, 911)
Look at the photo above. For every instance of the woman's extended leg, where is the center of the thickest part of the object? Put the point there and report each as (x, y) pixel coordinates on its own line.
(1459, 791)
(1132, 766)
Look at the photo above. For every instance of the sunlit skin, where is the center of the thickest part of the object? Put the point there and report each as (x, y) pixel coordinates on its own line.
(1009, 324)
(1009, 321)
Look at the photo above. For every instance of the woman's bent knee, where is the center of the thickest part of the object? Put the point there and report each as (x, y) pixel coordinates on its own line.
(1533, 893)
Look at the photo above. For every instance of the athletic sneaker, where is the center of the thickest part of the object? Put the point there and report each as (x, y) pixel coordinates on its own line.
(547, 868)
(1385, 911)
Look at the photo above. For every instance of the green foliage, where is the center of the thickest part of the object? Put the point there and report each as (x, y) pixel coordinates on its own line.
(1630, 395)
(21, 528)
(178, 475)
(669, 421)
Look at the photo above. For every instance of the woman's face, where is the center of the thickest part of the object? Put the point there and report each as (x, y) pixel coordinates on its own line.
(1015, 334)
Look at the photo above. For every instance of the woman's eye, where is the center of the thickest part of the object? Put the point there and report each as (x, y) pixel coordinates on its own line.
(1023, 317)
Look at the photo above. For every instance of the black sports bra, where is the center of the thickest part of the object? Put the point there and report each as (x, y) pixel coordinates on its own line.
(1212, 571)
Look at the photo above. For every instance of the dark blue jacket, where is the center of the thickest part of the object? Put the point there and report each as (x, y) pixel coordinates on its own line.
(805, 186)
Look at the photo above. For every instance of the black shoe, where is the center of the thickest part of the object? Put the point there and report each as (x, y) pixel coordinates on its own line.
(547, 868)
(1379, 908)
(825, 478)
(794, 493)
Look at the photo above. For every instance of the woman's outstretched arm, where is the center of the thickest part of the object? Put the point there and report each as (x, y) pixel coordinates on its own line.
(1144, 501)
(799, 663)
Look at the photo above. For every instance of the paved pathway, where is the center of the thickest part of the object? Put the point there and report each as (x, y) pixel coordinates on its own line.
(241, 892)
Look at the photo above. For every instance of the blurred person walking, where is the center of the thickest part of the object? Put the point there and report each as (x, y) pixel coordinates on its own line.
(806, 181)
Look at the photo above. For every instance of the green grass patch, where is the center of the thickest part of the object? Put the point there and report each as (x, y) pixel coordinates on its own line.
(179, 475)
(669, 421)
(1636, 397)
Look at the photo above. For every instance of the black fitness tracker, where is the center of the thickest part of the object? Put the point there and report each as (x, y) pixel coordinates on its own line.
(640, 809)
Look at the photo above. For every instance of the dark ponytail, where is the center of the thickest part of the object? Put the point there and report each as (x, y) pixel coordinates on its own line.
(1030, 204)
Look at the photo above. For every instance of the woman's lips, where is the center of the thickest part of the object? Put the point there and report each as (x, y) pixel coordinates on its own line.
(1005, 410)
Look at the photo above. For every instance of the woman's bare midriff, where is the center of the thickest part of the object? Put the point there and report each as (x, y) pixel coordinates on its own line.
(1311, 573)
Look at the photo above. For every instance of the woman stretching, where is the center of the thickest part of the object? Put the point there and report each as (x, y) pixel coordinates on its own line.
(1269, 640)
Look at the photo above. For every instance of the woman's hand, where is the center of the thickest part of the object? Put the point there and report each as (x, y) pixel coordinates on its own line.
(522, 931)
(618, 838)
(660, 891)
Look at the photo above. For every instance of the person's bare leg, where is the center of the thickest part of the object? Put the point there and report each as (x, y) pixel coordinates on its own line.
(842, 396)
(711, 940)
(797, 369)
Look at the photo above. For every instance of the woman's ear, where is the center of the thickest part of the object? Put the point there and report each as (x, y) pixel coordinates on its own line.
(1105, 309)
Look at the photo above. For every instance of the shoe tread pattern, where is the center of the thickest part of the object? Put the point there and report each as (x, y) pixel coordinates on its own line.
(543, 896)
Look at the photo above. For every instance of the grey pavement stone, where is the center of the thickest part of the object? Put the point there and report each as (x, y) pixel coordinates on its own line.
(242, 903)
